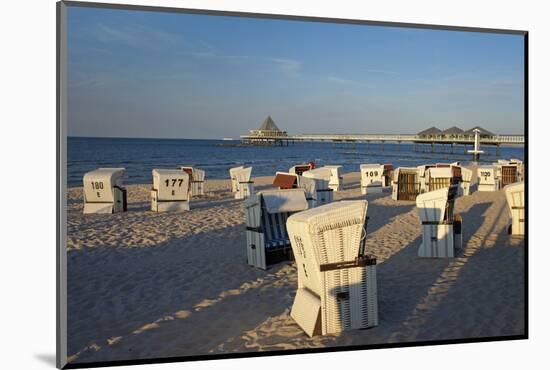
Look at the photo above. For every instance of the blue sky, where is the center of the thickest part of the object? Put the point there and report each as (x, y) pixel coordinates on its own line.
(164, 75)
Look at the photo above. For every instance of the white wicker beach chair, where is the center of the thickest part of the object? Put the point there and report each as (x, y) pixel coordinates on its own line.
(317, 191)
(197, 180)
(170, 191)
(405, 184)
(466, 182)
(336, 280)
(487, 177)
(442, 177)
(245, 187)
(520, 166)
(441, 229)
(266, 214)
(336, 179)
(233, 177)
(422, 176)
(515, 197)
(104, 191)
(372, 178)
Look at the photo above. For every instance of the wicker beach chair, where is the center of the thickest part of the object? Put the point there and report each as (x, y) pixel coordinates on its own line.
(266, 214)
(171, 191)
(317, 191)
(372, 178)
(520, 167)
(515, 197)
(441, 228)
(245, 186)
(336, 178)
(466, 182)
(337, 287)
(388, 174)
(196, 179)
(233, 177)
(422, 176)
(104, 191)
(487, 177)
(442, 177)
(405, 184)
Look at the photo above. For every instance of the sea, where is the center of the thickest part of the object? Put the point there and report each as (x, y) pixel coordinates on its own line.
(140, 156)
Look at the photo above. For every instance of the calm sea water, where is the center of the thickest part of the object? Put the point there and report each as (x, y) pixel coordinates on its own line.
(140, 156)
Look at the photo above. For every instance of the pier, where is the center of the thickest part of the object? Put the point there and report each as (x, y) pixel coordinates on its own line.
(424, 141)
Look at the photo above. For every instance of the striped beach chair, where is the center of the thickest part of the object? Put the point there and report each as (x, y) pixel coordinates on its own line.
(515, 197)
(337, 287)
(266, 214)
(441, 228)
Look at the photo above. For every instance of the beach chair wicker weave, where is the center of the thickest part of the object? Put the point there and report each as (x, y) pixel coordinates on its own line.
(515, 197)
(336, 280)
(170, 190)
(104, 191)
(405, 185)
(441, 229)
(266, 214)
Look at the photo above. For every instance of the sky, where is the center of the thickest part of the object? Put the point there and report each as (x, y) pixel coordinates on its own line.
(171, 75)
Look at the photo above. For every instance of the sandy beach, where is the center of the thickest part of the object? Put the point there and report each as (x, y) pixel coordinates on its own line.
(153, 285)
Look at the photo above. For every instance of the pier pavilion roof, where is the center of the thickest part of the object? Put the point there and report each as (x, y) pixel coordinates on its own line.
(268, 125)
(453, 131)
(482, 131)
(430, 131)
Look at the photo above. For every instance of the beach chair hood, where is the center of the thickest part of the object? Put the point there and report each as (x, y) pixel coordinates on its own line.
(289, 200)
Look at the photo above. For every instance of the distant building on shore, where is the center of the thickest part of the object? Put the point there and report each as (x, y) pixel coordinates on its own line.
(268, 128)
(454, 133)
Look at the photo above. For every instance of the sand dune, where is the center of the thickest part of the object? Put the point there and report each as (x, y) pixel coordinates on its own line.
(144, 284)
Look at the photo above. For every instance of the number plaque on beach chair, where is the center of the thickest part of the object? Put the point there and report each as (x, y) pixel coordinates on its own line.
(488, 180)
(245, 186)
(441, 229)
(196, 177)
(405, 185)
(104, 191)
(265, 215)
(372, 178)
(336, 280)
(515, 197)
(170, 191)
